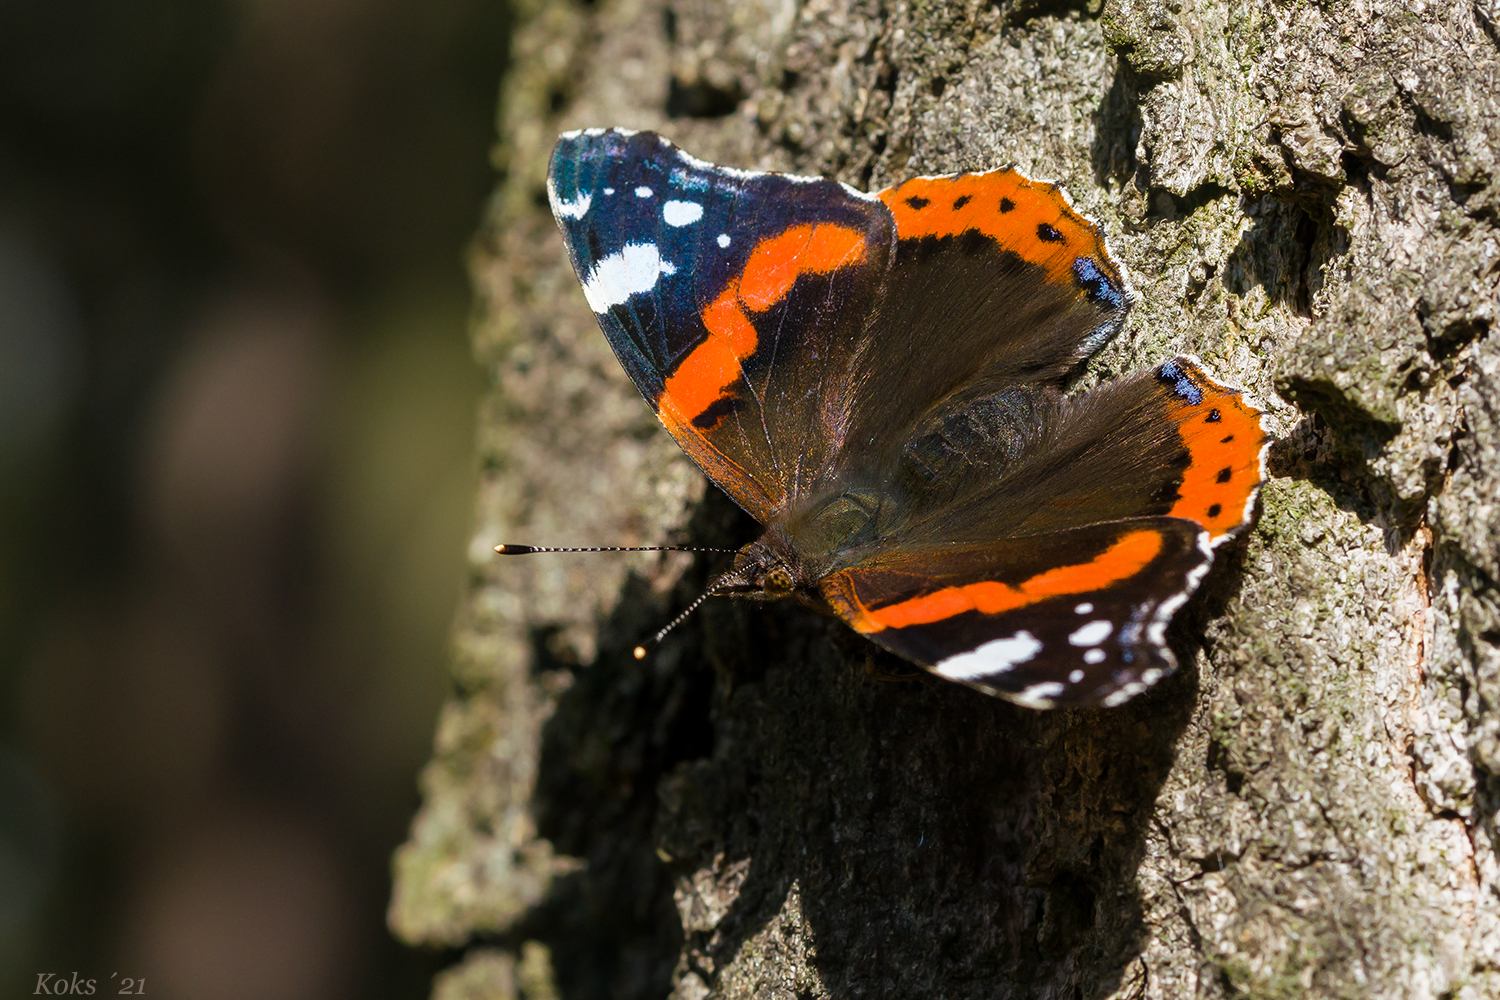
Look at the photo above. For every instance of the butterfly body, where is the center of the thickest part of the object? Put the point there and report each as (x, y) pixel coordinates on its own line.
(880, 381)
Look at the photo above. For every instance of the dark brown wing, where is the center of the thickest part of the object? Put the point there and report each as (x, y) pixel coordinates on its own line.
(1067, 618)
(997, 283)
(1029, 461)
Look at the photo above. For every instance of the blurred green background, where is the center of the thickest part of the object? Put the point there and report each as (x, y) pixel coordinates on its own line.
(236, 416)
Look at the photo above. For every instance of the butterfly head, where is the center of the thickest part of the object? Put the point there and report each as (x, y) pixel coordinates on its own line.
(765, 570)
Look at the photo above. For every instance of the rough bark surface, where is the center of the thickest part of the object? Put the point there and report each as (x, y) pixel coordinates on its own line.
(1307, 196)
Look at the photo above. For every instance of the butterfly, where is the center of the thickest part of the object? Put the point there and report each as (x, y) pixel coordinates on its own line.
(879, 379)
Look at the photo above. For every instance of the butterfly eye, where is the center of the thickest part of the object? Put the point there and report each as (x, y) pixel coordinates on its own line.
(778, 582)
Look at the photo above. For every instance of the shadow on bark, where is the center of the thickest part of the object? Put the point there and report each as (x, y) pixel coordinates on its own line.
(938, 841)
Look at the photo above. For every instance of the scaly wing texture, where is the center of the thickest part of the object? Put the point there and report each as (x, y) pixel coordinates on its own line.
(996, 283)
(1027, 461)
(1068, 618)
(734, 300)
(1044, 541)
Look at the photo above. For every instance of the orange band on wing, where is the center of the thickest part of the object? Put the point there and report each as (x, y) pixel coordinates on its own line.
(1120, 561)
(776, 263)
(1028, 217)
(714, 364)
(1223, 437)
(774, 266)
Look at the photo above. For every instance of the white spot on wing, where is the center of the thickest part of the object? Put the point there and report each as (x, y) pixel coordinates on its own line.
(575, 209)
(1092, 634)
(994, 657)
(643, 192)
(635, 269)
(1095, 655)
(723, 239)
(1075, 677)
(1038, 695)
(1083, 609)
(681, 213)
(1156, 630)
(1127, 691)
(609, 190)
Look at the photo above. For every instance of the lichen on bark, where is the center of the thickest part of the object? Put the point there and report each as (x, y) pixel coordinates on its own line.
(1306, 196)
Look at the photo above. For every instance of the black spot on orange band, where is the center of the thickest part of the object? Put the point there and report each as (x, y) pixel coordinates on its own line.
(1223, 472)
(1035, 222)
(717, 410)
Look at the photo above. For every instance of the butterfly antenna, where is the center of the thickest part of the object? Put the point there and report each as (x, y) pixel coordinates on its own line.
(713, 590)
(727, 579)
(506, 549)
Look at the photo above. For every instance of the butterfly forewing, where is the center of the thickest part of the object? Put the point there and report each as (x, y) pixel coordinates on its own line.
(734, 300)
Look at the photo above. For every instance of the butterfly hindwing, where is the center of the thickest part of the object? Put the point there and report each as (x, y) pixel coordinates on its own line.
(1026, 461)
(734, 300)
(1045, 540)
(1070, 618)
(997, 283)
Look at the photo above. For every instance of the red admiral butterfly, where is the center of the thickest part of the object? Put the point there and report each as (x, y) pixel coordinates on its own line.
(878, 379)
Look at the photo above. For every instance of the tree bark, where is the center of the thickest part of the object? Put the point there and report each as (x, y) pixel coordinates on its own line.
(1306, 197)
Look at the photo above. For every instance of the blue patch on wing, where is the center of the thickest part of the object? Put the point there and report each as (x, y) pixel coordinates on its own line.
(1182, 385)
(1099, 288)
